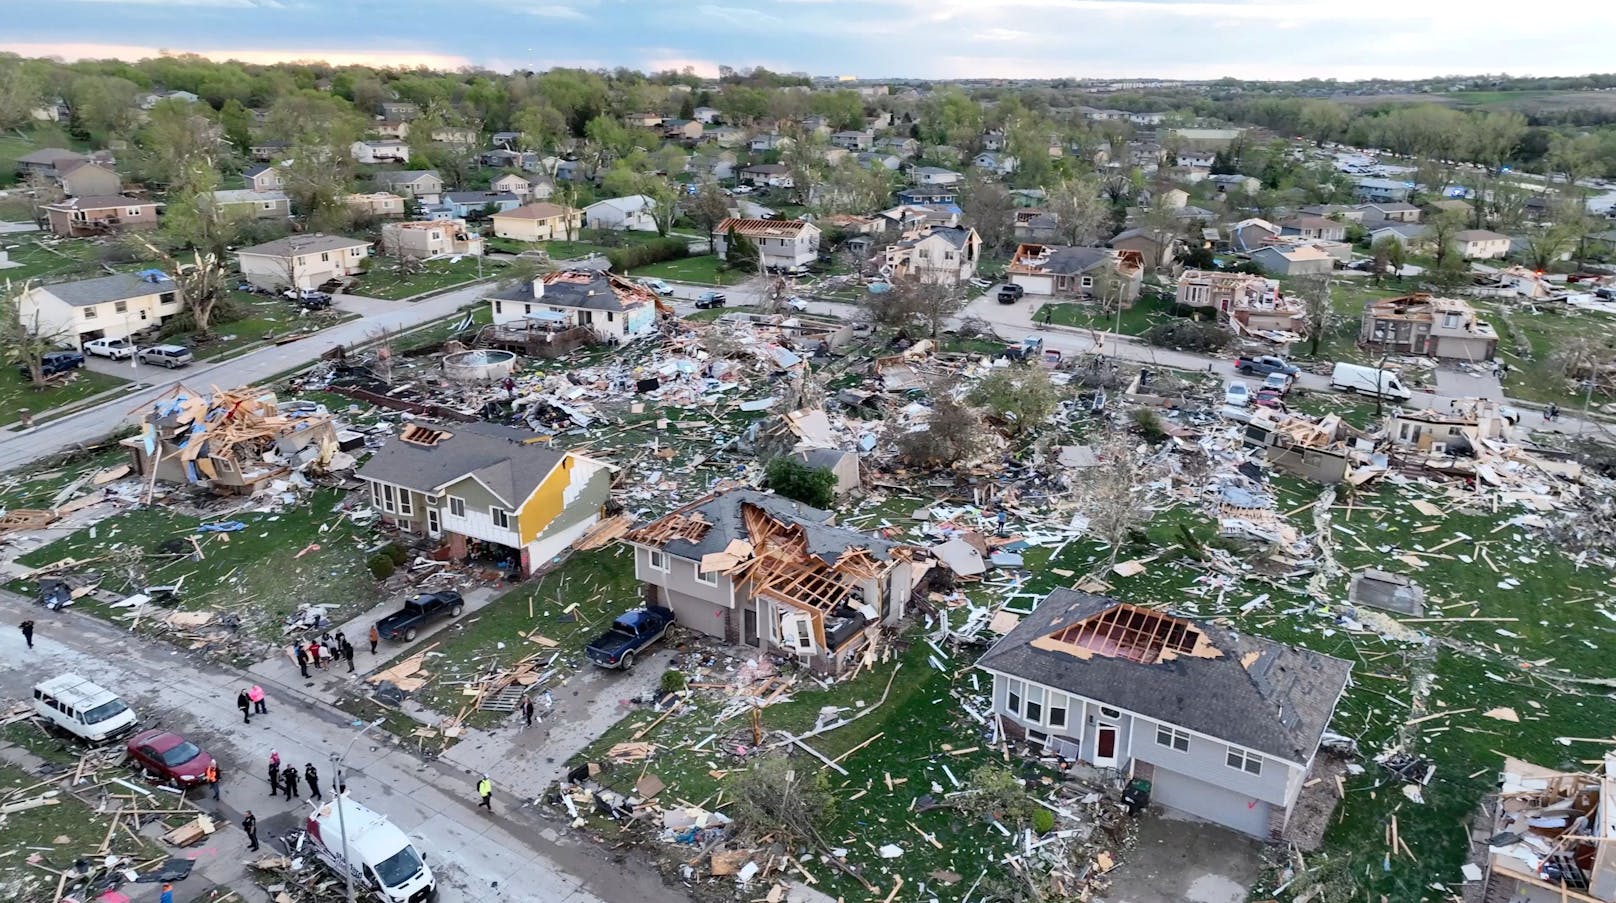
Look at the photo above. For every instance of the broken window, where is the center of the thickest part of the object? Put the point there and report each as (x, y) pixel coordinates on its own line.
(1246, 761)
(1172, 738)
(457, 506)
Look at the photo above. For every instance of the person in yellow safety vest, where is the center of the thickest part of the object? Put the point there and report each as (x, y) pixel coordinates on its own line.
(485, 789)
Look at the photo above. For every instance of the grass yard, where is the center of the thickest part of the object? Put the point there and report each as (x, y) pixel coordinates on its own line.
(38, 486)
(1143, 314)
(600, 582)
(703, 269)
(1538, 375)
(588, 242)
(383, 280)
(17, 394)
(59, 834)
(263, 320)
(47, 259)
(308, 553)
(442, 330)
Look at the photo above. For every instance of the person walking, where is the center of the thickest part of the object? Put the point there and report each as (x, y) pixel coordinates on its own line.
(302, 656)
(256, 694)
(28, 633)
(249, 823)
(485, 789)
(312, 778)
(347, 653)
(527, 710)
(167, 895)
(375, 637)
(212, 775)
(274, 773)
(245, 704)
(289, 778)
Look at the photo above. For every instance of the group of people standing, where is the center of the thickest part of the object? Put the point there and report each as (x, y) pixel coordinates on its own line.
(329, 648)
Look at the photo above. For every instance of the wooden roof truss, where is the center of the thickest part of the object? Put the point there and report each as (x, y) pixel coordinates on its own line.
(1136, 634)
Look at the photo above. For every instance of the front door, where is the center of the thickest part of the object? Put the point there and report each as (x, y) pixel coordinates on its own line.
(433, 526)
(1105, 746)
(749, 626)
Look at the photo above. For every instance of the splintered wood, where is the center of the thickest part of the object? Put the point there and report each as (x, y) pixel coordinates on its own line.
(406, 674)
(603, 533)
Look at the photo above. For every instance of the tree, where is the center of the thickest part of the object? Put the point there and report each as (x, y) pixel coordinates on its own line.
(1317, 313)
(741, 253)
(951, 436)
(794, 479)
(1077, 204)
(178, 141)
(1160, 224)
(22, 90)
(1387, 252)
(927, 304)
(1574, 158)
(1545, 246)
(105, 106)
(709, 208)
(805, 157)
(1018, 398)
(25, 339)
(777, 797)
(1113, 494)
(1439, 233)
(540, 125)
(201, 284)
(995, 793)
(990, 210)
(316, 178)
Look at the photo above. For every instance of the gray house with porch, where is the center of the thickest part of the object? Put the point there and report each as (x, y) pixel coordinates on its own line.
(1224, 725)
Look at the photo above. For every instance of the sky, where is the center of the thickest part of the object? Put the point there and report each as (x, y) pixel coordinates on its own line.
(1188, 39)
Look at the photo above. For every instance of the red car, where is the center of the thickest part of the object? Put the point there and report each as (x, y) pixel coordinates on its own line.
(170, 757)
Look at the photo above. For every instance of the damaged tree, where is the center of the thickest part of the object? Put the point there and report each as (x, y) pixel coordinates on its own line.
(21, 337)
(951, 435)
(202, 284)
(1111, 495)
(1017, 398)
(777, 797)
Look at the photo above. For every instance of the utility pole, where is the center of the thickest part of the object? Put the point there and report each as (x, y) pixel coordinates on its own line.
(340, 789)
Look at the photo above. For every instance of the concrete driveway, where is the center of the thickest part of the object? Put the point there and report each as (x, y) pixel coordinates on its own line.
(1181, 859)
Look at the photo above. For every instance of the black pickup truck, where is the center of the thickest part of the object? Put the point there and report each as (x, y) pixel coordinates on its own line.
(629, 634)
(402, 624)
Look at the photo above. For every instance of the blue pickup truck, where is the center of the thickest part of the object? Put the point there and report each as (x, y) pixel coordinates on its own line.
(629, 634)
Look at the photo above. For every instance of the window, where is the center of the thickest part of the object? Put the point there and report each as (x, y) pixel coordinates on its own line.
(133, 211)
(658, 560)
(121, 307)
(166, 298)
(406, 503)
(269, 205)
(457, 506)
(1015, 688)
(499, 307)
(1088, 282)
(1172, 738)
(1057, 709)
(710, 578)
(389, 500)
(1109, 713)
(89, 313)
(325, 257)
(1249, 762)
(1035, 704)
(501, 517)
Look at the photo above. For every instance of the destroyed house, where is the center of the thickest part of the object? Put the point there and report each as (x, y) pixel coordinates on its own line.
(1225, 726)
(230, 442)
(1458, 430)
(1252, 304)
(1553, 836)
(1434, 327)
(761, 570)
(486, 492)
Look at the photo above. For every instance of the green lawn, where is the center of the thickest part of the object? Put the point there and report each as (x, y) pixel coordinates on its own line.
(383, 280)
(602, 584)
(262, 320)
(438, 332)
(1138, 317)
(256, 573)
(58, 834)
(38, 485)
(704, 269)
(17, 394)
(57, 259)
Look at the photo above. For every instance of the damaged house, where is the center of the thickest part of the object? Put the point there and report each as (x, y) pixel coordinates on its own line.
(1554, 835)
(1075, 271)
(1434, 327)
(1460, 429)
(485, 491)
(761, 570)
(230, 442)
(1225, 726)
(1247, 304)
(613, 308)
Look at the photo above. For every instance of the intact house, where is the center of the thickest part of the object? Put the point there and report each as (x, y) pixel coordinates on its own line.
(643, 120)
(1480, 244)
(928, 194)
(86, 178)
(100, 215)
(463, 204)
(512, 183)
(303, 261)
(1293, 260)
(724, 136)
(264, 177)
(428, 239)
(614, 308)
(486, 492)
(1374, 190)
(265, 151)
(706, 115)
(380, 150)
(934, 176)
(50, 162)
(687, 130)
(626, 214)
(853, 141)
(903, 147)
(711, 166)
(771, 141)
(538, 222)
(999, 164)
(944, 255)
(1314, 227)
(107, 307)
(1251, 234)
(1406, 234)
(1075, 271)
(1388, 212)
(1247, 304)
(767, 175)
(376, 203)
(760, 570)
(1434, 327)
(425, 185)
(1224, 725)
(256, 204)
(782, 244)
(1234, 183)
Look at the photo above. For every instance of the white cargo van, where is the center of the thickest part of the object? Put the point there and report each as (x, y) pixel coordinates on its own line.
(1369, 381)
(86, 710)
(380, 856)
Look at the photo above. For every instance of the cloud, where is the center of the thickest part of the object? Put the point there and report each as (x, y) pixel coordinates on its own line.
(1005, 34)
(703, 68)
(376, 58)
(738, 15)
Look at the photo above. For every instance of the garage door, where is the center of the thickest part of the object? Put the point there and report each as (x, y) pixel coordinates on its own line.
(1035, 285)
(1215, 804)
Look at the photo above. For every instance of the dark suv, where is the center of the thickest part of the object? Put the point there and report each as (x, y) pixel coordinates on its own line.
(55, 362)
(1010, 293)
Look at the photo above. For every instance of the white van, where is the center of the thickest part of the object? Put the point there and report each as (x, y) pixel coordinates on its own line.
(86, 710)
(1369, 381)
(380, 856)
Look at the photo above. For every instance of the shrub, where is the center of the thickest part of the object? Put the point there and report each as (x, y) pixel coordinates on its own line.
(793, 479)
(1148, 423)
(627, 258)
(1043, 821)
(673, 681)
(381, 566)
(397, 553)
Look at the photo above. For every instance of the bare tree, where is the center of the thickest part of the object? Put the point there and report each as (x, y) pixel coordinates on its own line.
(989, 209)
(709, 208)
(202, 283)
(1113, 494)
(24, 338)
(1081, 210)
(1317, 313)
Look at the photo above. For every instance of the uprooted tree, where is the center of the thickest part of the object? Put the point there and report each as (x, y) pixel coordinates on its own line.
(1016, 398)
(784, 798)
(994, 792)
(1113, 495)
(952, 434)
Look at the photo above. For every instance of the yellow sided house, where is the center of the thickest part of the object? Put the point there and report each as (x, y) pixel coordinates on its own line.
(487, 492)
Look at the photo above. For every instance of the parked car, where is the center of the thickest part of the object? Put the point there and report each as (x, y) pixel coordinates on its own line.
(1010, 293)
(54, 362)
(170, 758)
(1268, 397)
(1279, 382)
(627, 636)
(741, 189)
(797, 302)
(315, 302)
(306, 294)
(1265, 364)
(72, 705)
(1369, 381)
(117, 349)
(709, 300)
(1236, 395)
(404, 623)
(169, 356)
(658, 286)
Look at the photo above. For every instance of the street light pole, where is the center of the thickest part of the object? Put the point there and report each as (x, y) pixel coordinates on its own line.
(339, 787)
